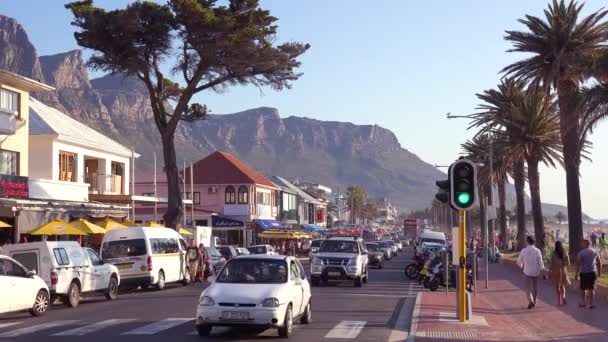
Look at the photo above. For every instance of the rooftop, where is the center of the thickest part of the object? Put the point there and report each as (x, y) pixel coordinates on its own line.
(22, 82)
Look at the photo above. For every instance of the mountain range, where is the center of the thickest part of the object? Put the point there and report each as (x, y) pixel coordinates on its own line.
(336, 154)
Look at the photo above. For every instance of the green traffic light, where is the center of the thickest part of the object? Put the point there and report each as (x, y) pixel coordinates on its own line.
(464, 198)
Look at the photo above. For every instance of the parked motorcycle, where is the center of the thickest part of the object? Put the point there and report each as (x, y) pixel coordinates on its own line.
(436, 277)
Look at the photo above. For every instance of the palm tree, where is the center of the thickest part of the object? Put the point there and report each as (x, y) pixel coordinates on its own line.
(498, 103)
(563, 47)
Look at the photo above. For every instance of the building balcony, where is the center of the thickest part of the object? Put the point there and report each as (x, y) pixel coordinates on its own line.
(236, 209)
(48, 189)
(266, 211)
(8, 123)
(104, 184)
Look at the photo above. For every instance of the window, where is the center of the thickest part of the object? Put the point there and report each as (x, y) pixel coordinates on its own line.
(164, 246)
(123, 248)
(197, 197)
(212, 189)
(11, 269)
(147, 194)
(9, 101)
(230, 195)
(243, 195)
(61, 256)
(67, 166)
(294, 274)
(95, 260)
(29, 260)
(301, 270)
(9, 163)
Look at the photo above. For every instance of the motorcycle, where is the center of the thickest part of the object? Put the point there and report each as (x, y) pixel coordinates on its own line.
(413, 269)
(437, 277)
(433, 265)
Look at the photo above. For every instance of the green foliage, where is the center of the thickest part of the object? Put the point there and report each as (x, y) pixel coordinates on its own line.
(356, 199)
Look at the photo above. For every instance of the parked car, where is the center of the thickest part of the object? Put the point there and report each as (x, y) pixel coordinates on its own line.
(21, 288)
(215, 258)
(147, 256)
(243, 251)
(375, 255)
(228, 252)
(68, 269)
(268, 291)
(262, 249)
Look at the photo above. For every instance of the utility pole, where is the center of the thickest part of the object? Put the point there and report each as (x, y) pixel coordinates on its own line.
(155, 192)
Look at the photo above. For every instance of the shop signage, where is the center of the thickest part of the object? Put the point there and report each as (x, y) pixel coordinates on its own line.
(221, 221)
(14, 187)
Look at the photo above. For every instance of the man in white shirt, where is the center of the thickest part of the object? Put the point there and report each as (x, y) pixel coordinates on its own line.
(531, 263)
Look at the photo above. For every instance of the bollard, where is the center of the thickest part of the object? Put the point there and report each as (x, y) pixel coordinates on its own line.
(474, 274)
(447, 273)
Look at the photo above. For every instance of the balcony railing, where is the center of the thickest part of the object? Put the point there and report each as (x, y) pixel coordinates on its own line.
(99, 183)
(8, 123)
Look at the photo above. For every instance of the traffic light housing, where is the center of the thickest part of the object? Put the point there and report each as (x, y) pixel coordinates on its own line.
(463, 184)
(443, 195)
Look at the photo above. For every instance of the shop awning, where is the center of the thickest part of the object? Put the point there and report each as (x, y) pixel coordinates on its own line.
(313, 228)
(226, 223)
(269, 224)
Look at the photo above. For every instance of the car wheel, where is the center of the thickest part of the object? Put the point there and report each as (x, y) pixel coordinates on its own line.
(315, 281)
(411, 271)
(161, 280)
(112, 292)
(307, 316)
(204, 329)
(358, 282)
(381, 266)
(285, 330)
(187, 278)
(366, 276)
(73, 296)
(41, 303)
(434, 284)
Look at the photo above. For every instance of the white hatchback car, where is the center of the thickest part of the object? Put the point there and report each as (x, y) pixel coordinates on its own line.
(21, 289)
(256, 290)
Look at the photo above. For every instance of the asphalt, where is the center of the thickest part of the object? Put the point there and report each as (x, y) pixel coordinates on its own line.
(379, 311)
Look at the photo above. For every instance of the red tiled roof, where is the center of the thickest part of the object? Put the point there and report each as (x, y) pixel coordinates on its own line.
(224, 168)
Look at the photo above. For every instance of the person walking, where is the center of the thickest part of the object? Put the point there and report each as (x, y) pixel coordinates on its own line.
(593, 240)
(588, 267)
(531, 263)
(193, 256)
(202, 263)
(558, 269)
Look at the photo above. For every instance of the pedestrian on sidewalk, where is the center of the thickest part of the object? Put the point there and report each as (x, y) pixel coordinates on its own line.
(588, 267)
(593, 240)
(531, 263)
(193, 256)
(560, 262)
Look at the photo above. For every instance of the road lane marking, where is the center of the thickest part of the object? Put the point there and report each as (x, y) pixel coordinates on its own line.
(346, 329)
(400, 331)
(35, 328)
(94, 327)
(5, 325)
(415, 314)
(157, 327)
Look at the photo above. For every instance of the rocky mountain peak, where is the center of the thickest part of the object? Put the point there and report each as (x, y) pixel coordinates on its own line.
(65, 70)
(18, 54)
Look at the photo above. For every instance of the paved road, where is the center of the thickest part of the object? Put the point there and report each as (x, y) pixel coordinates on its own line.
(379, 311)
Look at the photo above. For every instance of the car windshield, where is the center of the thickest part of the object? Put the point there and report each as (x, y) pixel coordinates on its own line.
(254, 271)
(225, 251)
(372, 247)
(243, 251)
(123, 248)
(428, 240)
(390, 243)
(316, 243)
(257, 249)
(338, 247)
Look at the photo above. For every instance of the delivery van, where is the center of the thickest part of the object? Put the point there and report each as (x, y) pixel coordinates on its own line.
(146, 256)
(68, 269)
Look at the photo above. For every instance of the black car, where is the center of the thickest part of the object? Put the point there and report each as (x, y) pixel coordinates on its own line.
(375, 255)
(216, 259)
(228, 252)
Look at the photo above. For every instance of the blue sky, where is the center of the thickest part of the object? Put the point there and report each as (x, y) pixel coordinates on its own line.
(399, 64)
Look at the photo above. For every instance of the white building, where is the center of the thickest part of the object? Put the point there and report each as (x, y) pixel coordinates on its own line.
(386, 210)
(68, 160)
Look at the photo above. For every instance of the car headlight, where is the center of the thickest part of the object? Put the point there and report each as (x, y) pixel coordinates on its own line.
(352, 262)
(270, 303)
(206, 301)
(316, 261)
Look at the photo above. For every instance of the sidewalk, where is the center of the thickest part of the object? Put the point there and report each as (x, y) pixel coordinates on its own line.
(500, 314)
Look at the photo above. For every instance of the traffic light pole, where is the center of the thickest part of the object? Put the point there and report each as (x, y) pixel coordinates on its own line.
(462, 277)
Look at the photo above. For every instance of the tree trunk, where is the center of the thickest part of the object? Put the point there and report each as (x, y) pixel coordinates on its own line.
(519, 179)
(175, 210)
(570, 130)
(502, 213)
(537, 211)
(483, 223)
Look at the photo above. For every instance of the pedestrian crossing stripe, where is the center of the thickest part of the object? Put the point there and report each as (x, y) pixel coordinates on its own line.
(346, 329)
(87, 329)
(36, 328)
(159, 326)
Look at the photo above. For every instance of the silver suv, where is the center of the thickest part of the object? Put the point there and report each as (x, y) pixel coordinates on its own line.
(339, 259)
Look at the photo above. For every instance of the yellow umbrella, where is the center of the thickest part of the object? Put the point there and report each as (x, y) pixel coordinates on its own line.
(129, 223)
(184, 232)
(109, 224)
(154, 224)
(5, 225)
(87, 227)
(57, 227)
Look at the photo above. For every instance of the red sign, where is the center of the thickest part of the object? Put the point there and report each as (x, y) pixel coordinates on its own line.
(320, 215)
(14, 186)
(410, 224)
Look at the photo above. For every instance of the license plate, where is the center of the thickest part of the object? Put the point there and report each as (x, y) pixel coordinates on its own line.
(333, 274)
(235, 315)
(124, 267)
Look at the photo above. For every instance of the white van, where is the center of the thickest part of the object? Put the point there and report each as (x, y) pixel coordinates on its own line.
(67, 269)
(147, 256)
(431, 236)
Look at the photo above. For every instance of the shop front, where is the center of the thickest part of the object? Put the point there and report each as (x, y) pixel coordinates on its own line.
(230, 231)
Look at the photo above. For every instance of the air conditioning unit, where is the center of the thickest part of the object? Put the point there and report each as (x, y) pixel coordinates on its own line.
(213, 189)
